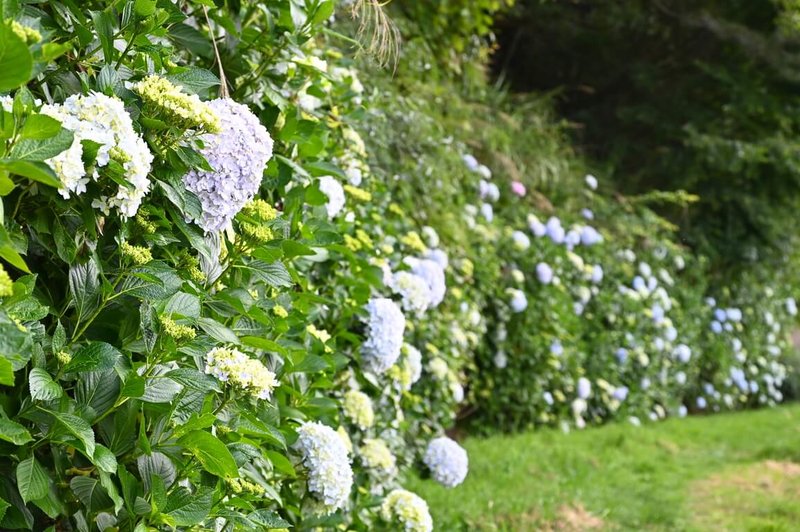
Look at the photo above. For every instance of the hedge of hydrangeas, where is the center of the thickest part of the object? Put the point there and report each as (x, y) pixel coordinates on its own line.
(235, 295)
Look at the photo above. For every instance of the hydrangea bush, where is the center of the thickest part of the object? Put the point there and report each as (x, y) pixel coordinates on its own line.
(241, 289)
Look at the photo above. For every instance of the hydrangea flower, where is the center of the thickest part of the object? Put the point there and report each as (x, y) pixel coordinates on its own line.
(488, 191)
(6, 285)
(385, 328)
(537, 228)
(177, 108)
(555, 231)
(357, 407)
(544, 273)
(791, 306)
(620, 393)
(521, 240)
(409, 369)
(622, 355)
(408, 509)
(236, 368)
(518, 301)
(376, 455)
(447, 461)
(518, 188)
(330, 477)
(587, 214)
(471, 162)
(487, 212)
(556, 348)
(334, 191)
(682, 411)
(702, 403)
(683, 353)
(433, 274)
(102, 119)
(237, 156)
(590, 236)
(591, 181)
(413, 289)
(597, 274)
(584, 388)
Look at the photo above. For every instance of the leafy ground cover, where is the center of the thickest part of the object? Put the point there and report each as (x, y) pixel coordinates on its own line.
(725, 472)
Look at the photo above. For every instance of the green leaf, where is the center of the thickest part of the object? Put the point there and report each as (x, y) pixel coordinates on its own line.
(264, 344)
(187, 508)
(40, 127)
(293, 249)
(6, 372)
(144, 8)
(153, 281)
(91, 493)
(42, 385)
(274, 274)
(104, 459)
(94, 357)
(9, 253)
(84, 285)
(34, 170)
(268, 519)
(16, 63)
(41, 149)
(195, 80)
(32, 480)
(77, 427)
(191, 39)
(156, 465)
(13, 432)
(104, 25)
(217, 331)
(211, 452)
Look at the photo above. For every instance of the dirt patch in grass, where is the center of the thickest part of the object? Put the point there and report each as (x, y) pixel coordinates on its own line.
(569, 518)
(759, 496)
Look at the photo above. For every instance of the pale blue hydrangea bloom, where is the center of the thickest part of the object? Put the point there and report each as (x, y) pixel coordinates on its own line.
(683, 353)
(447, 461)
(584, 388)
(548, 398)
(544, 273)
(537, 228)
(716, 327)
(518, 301)
(597, 274)
(487, 212)
(590, 236)
(521, 240)
(555, 231)
(591, 181)
(682, 411)
(385, 328)
(702, 403)
(556, 348)
(330, 477)
(734, 314)
(791, 306)
(237, 155)
(622, 355)
(587, 214)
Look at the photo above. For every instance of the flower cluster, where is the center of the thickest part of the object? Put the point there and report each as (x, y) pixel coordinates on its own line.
(408, 510)
(121, 152)
(357, 407)
(414, 290)
(447, 461)
(385, 328)
(233, 366)
(330, 477)
(237, 154)
(185, 111)
(6, 286)
(433, 273)
(334, 191)
(376, 455)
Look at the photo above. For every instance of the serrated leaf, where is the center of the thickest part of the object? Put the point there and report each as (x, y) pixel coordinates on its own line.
(40, 127)
(91, 493)
(211, 453)
(275, 275)
(217, 331)
(156, 464)
(187, 508)
(84, 285)
(96, 356)
(153, 281)
(34, 170)
(42, 386)
(41, 149)
(195, 80)
(13, 432)
(32, 480)
(77, 427)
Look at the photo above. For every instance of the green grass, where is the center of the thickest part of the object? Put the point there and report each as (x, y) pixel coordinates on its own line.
(722, 472)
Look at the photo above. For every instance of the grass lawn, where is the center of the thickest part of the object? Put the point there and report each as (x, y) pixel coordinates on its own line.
(738, 471)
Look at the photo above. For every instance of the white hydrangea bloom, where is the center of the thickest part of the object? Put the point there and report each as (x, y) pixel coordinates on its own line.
(433, 274)
(584, 388)
(447, 461)
(385, 328)
(101, 119)
(237, 155)
(414, 290)
(357, 407)
(521, 240)
(410, 510)
(335, 194)
(330, 477)
(233, 366)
